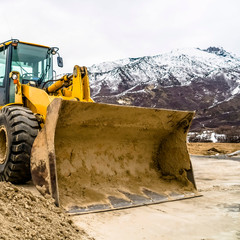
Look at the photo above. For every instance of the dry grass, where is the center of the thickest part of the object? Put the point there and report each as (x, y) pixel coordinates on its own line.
(212, 148)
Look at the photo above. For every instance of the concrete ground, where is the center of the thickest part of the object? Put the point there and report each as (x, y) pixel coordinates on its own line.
(215, 215)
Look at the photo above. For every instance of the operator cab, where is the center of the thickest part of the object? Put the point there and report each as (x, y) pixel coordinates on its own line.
(33, 62)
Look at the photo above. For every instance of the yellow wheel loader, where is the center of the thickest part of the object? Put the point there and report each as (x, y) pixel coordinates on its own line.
(88, 156)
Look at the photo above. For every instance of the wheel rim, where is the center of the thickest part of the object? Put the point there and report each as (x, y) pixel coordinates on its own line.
(3, 144)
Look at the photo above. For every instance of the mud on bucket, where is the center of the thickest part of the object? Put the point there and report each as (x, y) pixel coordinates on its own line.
(95, 157)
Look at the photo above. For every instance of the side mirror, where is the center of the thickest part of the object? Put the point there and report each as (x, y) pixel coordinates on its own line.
(60, 61)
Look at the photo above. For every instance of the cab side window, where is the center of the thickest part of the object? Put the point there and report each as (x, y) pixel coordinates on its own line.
(2, 65)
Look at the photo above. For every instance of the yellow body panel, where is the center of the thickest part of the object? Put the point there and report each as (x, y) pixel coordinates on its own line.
(82, 91)
(5, 44)
(18, 88)
(38, 99)
(9, 104)
(33, 44)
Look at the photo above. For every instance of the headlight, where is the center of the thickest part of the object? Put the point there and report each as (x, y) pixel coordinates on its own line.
(14, 76)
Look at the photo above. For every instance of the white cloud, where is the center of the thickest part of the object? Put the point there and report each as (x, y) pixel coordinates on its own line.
(92, 31)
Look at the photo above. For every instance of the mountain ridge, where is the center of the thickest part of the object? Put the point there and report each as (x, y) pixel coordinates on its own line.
(186, 79)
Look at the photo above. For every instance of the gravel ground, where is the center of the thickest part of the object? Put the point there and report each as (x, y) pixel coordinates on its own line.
(26, 215)
(215, 215)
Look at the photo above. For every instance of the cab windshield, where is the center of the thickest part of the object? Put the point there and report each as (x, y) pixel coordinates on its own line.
(32, 62)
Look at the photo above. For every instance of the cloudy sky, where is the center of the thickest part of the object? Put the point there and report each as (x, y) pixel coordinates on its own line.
(94, 31)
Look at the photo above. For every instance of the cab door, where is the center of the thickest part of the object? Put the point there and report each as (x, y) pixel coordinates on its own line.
(4, 74)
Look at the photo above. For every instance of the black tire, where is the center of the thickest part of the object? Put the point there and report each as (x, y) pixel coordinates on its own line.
(18, 129)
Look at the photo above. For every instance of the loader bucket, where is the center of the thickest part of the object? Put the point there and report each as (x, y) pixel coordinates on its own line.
(95, 157)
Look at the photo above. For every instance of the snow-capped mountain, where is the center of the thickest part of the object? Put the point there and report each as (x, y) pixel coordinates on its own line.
(187, 79)
(179, 67)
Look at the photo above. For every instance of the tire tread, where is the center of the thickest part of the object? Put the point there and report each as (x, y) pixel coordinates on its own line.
(24, 128)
